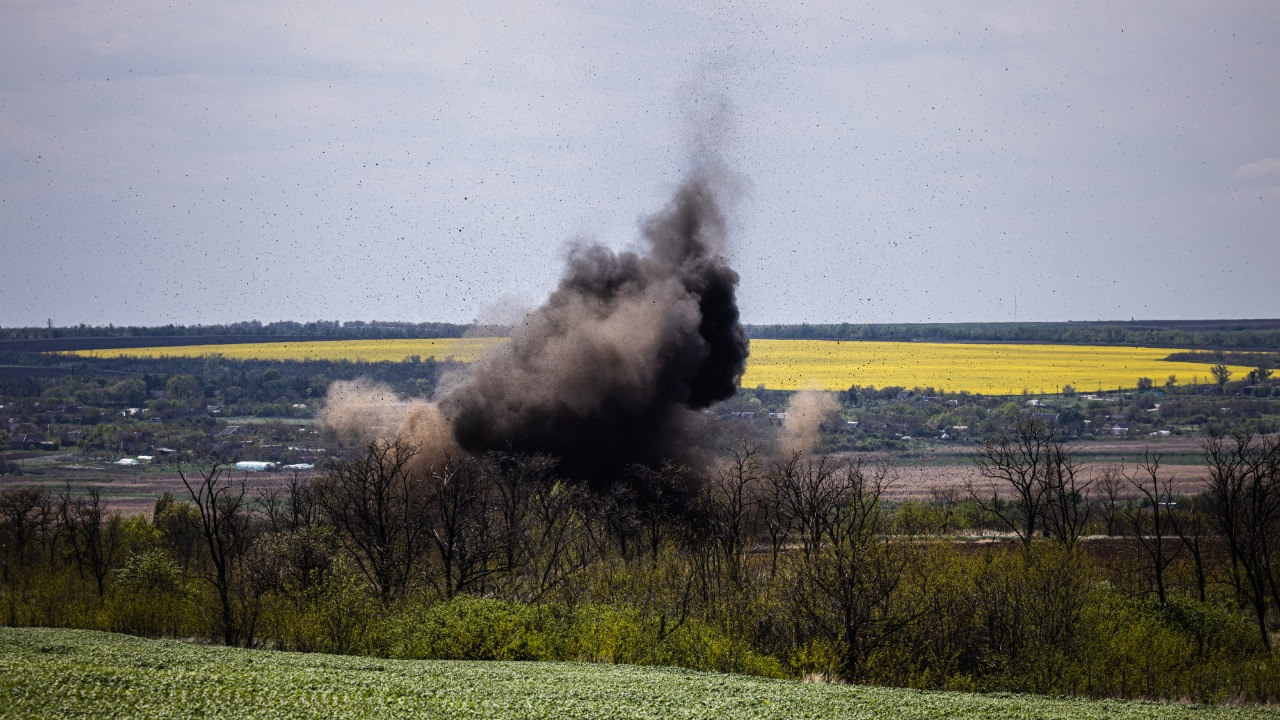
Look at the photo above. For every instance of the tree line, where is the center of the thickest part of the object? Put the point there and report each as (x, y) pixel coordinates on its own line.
(1223, 335)
(254, 329)
(787, 566)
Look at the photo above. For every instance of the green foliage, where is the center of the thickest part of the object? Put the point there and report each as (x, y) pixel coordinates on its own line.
(467, 628)
(808, 574)
(334, 613)
(1040, 621)
(1221, 373)
(58, 597)
(183, 388)
(64, 673)
(150, 572)
(139, 536)
(151, 598)
(131, 391)
(1187, 648)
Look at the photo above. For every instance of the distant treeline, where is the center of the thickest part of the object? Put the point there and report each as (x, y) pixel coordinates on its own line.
(1227, 357)
(1199, 334)
(251, 331)
(1194, 334)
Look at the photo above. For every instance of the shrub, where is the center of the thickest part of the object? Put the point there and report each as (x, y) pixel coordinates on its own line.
(150, 597)
(468, 628)
(1184, 648)
(335, 613)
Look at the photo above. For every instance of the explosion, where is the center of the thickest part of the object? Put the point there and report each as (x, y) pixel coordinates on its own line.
(614, 369)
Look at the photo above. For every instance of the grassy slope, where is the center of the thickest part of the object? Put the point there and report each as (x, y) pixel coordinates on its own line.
(73, 673)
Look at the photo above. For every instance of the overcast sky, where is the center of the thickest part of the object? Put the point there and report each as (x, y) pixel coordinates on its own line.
(215, 161)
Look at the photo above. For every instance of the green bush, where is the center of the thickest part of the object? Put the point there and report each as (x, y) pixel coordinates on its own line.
(335, 614)
(51, 598)
(150, 597)
(468, 628)
(1184, 648)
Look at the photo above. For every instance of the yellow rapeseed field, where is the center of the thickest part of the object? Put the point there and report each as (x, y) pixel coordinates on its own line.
(990, 369)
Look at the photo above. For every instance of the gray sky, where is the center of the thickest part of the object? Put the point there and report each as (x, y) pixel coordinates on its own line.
(220, 161)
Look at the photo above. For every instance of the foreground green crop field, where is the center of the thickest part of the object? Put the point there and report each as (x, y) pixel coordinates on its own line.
(72, 673)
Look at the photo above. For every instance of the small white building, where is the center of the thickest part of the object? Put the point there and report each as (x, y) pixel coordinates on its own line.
(255, 466)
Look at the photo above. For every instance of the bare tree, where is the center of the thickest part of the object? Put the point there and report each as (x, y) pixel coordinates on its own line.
(461, 527)
(224, 521)
(19, 517)
(732, 509)
(537, 532)
(1191, 525)
(1027, 462)
(289, 508)
(1066, 508)
(848, 569)
(271, 501)
(777, 515)
(617, 523)
(1110, 486)
(1154, 529)
(300, 503)
(947, 499)
(558, 536)
(94, 535)
(517, 479)
(661, 511)
(1244, 502)
(377, 500)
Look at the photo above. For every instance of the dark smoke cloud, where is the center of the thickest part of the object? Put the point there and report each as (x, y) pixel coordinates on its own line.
(614, 368)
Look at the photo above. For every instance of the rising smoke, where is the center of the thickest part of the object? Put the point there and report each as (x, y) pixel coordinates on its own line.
(611, 371)
(802, 427)
(361, 410)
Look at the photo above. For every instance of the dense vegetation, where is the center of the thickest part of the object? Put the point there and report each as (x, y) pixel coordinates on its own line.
(783, 566)
(906, 419)
(63, 673)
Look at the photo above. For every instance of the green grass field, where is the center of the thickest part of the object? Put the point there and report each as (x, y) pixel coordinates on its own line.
(48, 673)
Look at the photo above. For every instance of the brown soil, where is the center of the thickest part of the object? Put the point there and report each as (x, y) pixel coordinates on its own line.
(918, 482)
(134, 492)
(131, 490)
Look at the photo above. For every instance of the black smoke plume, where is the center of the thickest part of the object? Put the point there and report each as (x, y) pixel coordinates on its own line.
(613, 369)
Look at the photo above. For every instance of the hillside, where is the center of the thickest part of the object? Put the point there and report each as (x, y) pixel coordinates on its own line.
(48, 673)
